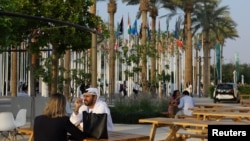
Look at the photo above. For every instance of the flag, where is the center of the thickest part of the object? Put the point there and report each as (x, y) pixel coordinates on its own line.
(159, 27)
(121, 27)
(176, 31)
(179, 43)
(199, 44)
(99, 29)
(236, 55)
(117, 33)
(159, 30)
(148, 31)
(167, 25)
(116, 45)
(140, 32)
(129, 26)
(134, 28)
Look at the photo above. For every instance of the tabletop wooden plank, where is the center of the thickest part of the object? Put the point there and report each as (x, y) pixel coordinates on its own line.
(211, 105)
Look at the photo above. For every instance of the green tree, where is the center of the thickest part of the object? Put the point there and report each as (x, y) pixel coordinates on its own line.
(144, 8)
(187, 7)
(61, 38)
(211, 19)
(11, 30)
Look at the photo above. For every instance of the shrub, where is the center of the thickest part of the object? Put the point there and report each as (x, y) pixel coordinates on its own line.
(244, 89)
(130, 110)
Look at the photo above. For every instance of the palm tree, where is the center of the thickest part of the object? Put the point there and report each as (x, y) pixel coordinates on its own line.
(111, 10)
(154, 6)
(225, 30)
(144, 8)
(112, 7)
(187, 7)
(93, 51)
(211, 18)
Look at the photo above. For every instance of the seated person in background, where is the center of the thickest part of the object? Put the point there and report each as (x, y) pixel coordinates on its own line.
(174, 101)
(54, 124)
(186, 102)
(93, 104)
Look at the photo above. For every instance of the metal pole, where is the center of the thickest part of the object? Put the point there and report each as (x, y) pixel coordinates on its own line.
(199, 76)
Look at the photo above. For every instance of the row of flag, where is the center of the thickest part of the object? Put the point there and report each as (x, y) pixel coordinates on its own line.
(132, 30)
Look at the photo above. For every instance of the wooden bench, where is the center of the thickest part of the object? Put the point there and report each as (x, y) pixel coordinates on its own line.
(166, 114)
(245, 99)
(186, 117)
(26, 131)
(185, 136)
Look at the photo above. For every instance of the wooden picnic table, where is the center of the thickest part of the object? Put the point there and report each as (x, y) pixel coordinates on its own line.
(218, 115)
(211, 105)
(112, 136)
(245, 99)
(224, 109)
(195, 128)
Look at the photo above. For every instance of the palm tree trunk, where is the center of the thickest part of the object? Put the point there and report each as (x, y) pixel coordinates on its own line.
(153, 15)
(13, 85)
(144, 5)
(188, 49)
(205, 65)
(93, 64)
(111, 10)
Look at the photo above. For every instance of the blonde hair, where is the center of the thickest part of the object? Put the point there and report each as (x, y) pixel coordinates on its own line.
(56, 106)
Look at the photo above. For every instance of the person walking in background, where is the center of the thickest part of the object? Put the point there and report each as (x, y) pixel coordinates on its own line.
(186, 102)
(174, 102)
(136, 87)
(92, 103)
(54, 124)
(124, 88)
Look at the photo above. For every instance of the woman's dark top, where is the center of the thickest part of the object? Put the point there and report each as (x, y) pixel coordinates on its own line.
(55, 129)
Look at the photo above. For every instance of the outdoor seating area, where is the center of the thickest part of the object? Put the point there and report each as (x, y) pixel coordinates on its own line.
(189, 128)
(196, 126)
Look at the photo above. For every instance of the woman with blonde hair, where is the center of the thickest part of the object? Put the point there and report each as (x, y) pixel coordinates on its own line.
(54, 124)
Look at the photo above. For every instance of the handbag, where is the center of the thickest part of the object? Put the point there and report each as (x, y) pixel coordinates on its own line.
(95, 125)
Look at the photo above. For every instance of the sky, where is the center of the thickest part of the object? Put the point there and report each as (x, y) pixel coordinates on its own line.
(239, 10)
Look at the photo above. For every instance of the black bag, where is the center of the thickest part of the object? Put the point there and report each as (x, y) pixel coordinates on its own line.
(95, 125)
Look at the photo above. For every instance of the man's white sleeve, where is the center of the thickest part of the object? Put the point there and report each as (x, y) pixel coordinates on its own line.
(77, 119)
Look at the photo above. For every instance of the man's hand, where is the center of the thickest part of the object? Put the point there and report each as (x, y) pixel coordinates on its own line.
(78, 104)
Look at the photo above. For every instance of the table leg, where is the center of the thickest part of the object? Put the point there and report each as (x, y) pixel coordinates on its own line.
(172, 133)
(152, 132)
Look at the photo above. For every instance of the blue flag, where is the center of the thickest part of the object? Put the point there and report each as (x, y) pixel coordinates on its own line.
(134, 28)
